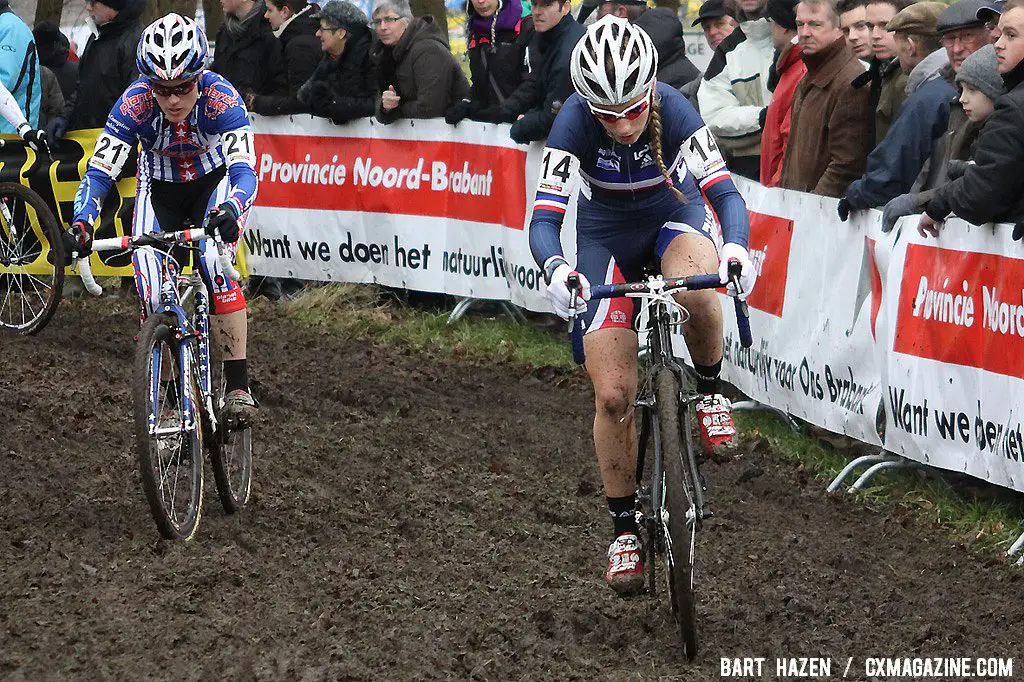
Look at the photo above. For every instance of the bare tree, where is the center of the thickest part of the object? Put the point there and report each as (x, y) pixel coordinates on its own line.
(436, 8)
(158, 8)
(214, 17)
(49, 10)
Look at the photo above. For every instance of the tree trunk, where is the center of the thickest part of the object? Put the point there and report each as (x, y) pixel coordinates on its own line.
(672, 4)
(158, 8)
(436, 8)
(214, 17)
(48, 10)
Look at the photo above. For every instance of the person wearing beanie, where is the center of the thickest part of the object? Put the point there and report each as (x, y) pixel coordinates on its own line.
(107, 66)
(785, 75)
(895, 164)
(19, 68)
(53, 48)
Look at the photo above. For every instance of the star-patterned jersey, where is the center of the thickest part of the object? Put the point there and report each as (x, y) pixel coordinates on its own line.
(214, 134)
(613, 174)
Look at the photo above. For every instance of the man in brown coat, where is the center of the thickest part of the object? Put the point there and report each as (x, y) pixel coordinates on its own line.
(829, 138)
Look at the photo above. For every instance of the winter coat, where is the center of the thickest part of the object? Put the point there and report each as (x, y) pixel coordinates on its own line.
(893, 165)
(498, 68)
(51, 104)
(19, 68)
(663, 26)
(302, 54)
(549, 55)
(828, 142)
(249, 55)
(955, 143)
(345, 88)
(887, 91)
(735, 88)
(422, 70)
(992, 188)
(789, 69)
(63, 68)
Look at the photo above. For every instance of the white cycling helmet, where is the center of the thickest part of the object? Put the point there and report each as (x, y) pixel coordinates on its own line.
(614, 62)
(170, 48)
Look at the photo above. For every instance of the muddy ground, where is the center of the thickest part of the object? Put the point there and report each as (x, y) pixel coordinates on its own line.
(419, 517)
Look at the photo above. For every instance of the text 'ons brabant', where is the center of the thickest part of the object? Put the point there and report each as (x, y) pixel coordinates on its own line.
(368, 173)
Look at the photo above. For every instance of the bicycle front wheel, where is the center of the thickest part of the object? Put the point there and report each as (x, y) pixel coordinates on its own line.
(168, 430)
(679, 529)
(31, 260)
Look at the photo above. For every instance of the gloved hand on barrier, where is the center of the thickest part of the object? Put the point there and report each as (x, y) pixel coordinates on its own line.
(748, 275)
(843, 209)
(224, 222)
(457, 112)
(903, 205)
(558, 290)
(57, 128)
(77, 240)
(36, 139)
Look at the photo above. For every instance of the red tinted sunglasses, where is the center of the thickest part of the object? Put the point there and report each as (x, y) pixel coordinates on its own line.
(180, 90)
(629, 114)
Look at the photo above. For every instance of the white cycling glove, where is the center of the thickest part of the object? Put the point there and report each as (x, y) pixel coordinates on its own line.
(748, 275)
(558, 291)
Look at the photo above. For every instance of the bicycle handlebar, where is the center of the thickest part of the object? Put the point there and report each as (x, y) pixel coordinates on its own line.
(132, 242)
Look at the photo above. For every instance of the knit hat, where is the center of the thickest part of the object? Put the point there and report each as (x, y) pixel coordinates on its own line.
(980, 70)
(782, 12)
(919, 18)
(117, 5)
(342, 14)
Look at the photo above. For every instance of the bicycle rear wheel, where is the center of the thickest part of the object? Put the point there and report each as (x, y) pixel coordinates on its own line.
(230, 449)
(679, 528)
(31, 260)
(168, 431)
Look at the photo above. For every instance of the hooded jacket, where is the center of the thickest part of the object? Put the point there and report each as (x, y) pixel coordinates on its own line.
(249, 55)
(893, 165)
(302, 54)
(19, 67)
(345, 88)
(106, 69)
(663, 26)
(497, 60)
(789, 69)
(422, 70)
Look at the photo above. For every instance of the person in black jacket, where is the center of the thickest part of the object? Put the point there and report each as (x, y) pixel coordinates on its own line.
(497, 39)
(992, 188)
(247, 53)
(107, 66)
(343, 86)
(556, 34)
(666, 31)
(294, 25)
(53, 48)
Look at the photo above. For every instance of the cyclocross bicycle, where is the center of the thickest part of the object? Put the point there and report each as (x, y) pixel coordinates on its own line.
(177, 399)
(670, 487)
(31, 260)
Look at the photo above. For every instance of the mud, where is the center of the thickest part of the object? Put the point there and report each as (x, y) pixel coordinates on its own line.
(420, 517)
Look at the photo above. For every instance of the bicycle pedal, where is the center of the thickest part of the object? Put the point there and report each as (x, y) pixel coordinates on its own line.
(707, 514)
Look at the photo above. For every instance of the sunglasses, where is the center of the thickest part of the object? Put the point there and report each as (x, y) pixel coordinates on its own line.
(170, 90)
(632, 113)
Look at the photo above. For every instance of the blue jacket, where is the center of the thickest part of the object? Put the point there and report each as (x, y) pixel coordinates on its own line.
(895, 163)
(19, 67)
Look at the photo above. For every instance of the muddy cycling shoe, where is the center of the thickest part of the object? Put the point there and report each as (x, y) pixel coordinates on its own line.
(239, 407)
(625, 572)
(714, 415)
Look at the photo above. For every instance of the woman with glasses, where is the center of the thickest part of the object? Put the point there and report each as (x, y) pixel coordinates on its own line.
(197, 162)
(416, 72)
(644, 158)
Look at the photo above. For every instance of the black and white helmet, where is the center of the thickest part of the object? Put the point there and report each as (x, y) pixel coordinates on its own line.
(614, 62)
(170, 48)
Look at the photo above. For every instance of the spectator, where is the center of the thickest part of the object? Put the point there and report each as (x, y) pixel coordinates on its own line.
(247, 54)
(623, 9)
(785, 75)
(828, 139)
(992, 188)
(715, 19)
(343, 86)
(51, 103)
(887, 81)
(896, 162)
(19, 67)
(556, 34)
(666, 31)
(293, 22)
(963, 31)
(735, 89)
(107, 66)
(416, 72)
(853, 20)
(981, 85)
(54, 48)
(498, 36)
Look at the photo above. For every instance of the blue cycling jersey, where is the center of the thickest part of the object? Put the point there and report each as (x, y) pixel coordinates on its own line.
(215, 133)
(618, 175)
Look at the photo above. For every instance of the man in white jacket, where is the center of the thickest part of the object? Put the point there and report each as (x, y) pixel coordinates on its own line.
(734, 95)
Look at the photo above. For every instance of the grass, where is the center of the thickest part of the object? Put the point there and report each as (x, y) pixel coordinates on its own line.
(986, 518)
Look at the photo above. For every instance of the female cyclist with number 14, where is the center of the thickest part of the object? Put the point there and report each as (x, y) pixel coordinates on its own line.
(197, 162)
(616, 133)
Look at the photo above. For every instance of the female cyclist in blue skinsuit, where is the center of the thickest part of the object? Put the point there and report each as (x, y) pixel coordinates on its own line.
(644, 157)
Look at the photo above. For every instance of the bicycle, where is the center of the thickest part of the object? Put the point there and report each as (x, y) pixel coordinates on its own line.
(31, 260)
(671, 498)
(177, 400)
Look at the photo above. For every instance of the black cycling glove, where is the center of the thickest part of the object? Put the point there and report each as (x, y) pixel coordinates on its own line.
(224, 221)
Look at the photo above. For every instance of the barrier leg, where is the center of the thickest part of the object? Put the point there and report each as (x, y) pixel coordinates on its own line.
(1017, 547)
(863, 460)
(460, 309)
(893, 462)
(513, 312)
(751, 405)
